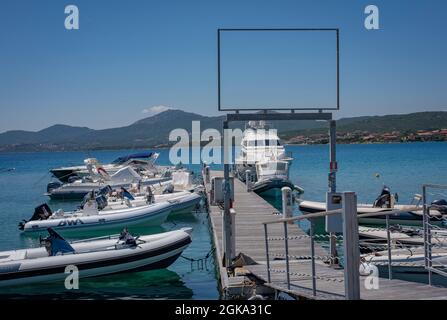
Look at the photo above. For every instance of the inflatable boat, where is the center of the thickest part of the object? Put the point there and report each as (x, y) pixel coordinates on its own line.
(92, 257)
(98, 214)
(181, 201)
(385, 202)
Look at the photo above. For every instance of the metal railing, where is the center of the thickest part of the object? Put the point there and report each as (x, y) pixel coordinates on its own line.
(429, 228)
(351, 244)
(285, 222)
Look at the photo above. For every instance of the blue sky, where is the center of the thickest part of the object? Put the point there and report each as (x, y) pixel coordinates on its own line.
(130, 56)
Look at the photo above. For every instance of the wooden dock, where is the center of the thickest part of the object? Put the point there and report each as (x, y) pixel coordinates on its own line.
(251, 211)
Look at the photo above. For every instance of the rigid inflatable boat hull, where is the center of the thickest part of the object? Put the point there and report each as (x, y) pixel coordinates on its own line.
(148, 256)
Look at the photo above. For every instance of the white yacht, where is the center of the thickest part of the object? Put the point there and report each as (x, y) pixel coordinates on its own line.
(262, 154)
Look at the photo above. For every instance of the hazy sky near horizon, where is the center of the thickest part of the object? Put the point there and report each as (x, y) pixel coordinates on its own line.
(130, 59)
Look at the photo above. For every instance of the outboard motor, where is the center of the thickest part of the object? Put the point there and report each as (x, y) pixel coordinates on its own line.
(384, 199)
(101, 202)
(127, 238)
(169, 189)
(42, 212)
(440, 205)
(53, 185)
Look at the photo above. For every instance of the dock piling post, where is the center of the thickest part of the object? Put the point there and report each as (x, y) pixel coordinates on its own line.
(351, 246)
(248, 180)
(267, 256)
(333, 183)
(312, 253)
(226, 212)
(286, 202)
(286, 247)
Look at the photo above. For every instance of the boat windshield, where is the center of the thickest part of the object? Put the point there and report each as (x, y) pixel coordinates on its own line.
(262, 143)
(274, 166)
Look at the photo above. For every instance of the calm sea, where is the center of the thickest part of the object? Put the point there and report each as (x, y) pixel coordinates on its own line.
(362, 168)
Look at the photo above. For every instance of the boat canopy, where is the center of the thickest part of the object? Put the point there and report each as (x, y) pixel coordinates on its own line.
(125, 175)
(141, 155)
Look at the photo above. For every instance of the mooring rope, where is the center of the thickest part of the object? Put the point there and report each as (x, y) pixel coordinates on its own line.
(201, 262)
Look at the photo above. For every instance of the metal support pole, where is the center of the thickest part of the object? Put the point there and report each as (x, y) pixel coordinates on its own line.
(424, 206)
(207, 174)
(427, 235)
(351, 246)
(267, 252)
(388, 240)
(286, 243)
(226, 214)
(312, 252)
(333, 183)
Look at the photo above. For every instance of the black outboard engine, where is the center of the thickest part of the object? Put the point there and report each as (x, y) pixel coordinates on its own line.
(42, 212)
(53, 185)
(127, 238)
(101, 201)
(384, 200)
(440, 205)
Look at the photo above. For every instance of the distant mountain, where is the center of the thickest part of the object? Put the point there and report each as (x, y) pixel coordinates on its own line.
(55, 134)
(412, 122)
(154, 131)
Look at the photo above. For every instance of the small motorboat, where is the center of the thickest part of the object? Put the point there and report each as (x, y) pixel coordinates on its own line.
(180, 201)
(386, 202)
(407, 264)
(140, 160)
(96, 213)
(92, 257)
(400, 235)
(125, 177)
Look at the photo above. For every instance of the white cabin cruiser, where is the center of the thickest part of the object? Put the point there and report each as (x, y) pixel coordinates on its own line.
(93, 257)
(137, 161)
(263, 156)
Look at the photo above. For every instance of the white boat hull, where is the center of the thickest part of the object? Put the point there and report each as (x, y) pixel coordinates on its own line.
(148, 215)
(158, 251)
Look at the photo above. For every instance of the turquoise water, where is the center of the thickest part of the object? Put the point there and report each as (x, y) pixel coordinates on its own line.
(403, 167)
(24, 188)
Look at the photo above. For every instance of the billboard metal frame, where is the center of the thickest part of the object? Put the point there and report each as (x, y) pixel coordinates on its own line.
(220, 30)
